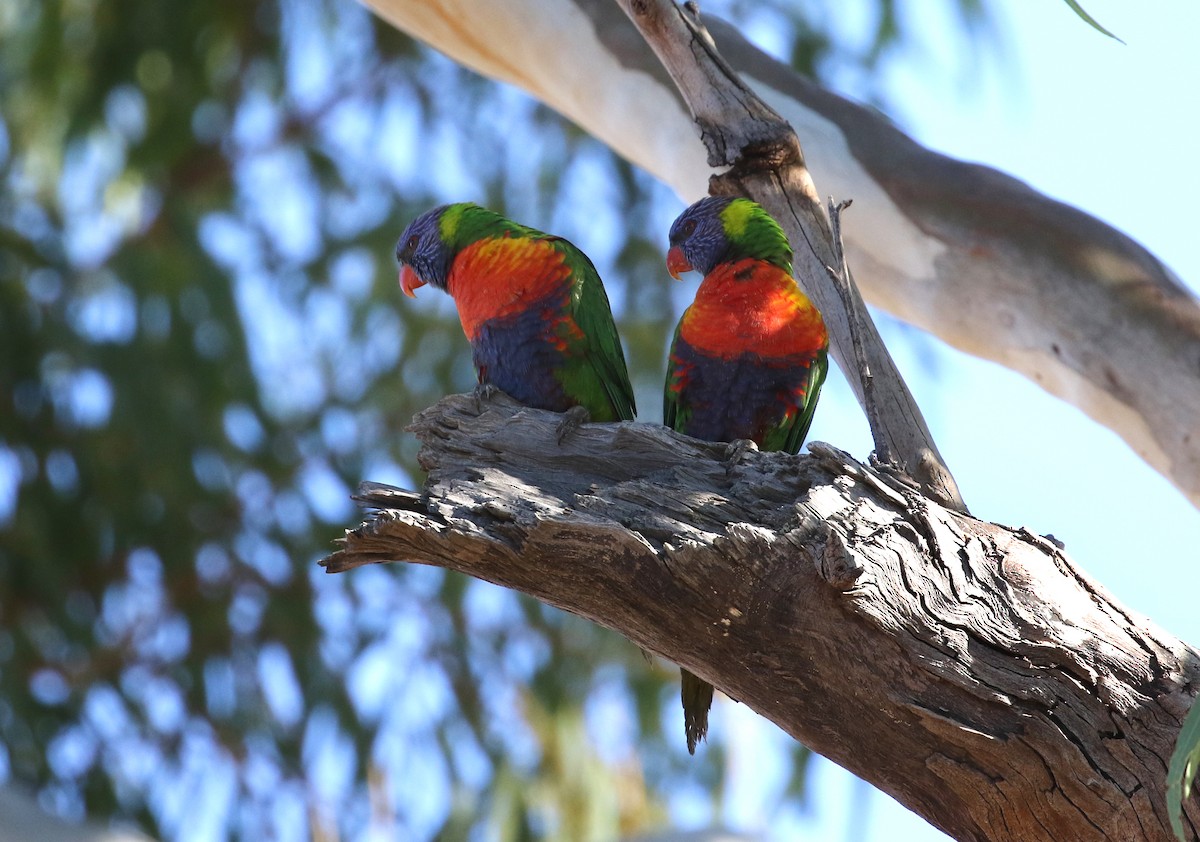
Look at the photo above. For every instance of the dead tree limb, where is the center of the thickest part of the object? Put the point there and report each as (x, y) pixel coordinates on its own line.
(970, 670)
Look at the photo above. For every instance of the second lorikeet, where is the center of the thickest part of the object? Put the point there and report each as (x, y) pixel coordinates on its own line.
(532, 306)
(749, 355)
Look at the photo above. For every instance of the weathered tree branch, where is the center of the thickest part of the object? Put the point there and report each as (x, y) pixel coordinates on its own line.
(975, 257)
(765, 162)
(839, 273)
(968, 669)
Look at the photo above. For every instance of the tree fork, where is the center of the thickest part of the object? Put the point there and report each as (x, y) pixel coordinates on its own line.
(765, 162)
(970, 670)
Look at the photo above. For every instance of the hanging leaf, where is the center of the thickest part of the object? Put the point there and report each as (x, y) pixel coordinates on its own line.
(1095, 24)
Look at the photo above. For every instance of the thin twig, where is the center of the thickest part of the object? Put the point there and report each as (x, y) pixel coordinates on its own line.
(840, 275)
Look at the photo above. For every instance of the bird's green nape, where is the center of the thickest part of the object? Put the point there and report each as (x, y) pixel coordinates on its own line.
(754, 233)
(464, 223)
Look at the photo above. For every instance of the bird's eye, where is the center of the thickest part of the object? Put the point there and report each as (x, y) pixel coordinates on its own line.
(411, 245)
(688, 228)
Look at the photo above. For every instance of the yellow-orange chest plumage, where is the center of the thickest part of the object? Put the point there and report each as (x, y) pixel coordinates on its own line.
(504, 277)
(750, 306)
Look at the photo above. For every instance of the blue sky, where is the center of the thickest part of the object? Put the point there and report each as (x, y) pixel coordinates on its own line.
(1112, 129)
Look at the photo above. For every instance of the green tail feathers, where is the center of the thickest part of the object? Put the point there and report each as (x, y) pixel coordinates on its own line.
(697, 697)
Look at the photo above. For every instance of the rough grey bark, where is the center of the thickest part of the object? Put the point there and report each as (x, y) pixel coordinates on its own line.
(967, 253)
(970, 670)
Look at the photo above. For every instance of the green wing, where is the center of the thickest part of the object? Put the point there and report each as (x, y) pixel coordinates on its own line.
(812, 391)
(673, 414)
(593, 315)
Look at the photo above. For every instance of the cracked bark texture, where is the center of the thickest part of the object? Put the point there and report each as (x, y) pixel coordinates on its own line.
(972, 255)
(970, 670)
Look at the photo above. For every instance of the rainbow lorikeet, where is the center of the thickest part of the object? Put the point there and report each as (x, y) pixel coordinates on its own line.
(531, 305)
(749, 355)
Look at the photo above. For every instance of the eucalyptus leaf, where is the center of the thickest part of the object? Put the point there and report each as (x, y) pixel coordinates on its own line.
(1091, 21)
(1181, 771)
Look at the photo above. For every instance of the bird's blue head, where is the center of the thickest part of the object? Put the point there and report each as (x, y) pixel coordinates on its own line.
(698, 239)
(725, 229)
(423, 253)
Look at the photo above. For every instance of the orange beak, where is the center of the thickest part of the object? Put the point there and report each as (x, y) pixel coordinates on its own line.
(409, 281)
(676, 262)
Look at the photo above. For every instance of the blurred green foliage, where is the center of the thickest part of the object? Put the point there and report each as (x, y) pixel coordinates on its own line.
(202, 350)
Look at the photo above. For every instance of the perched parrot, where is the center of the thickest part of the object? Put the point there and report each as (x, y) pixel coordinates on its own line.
(749, 355)
(531, 304)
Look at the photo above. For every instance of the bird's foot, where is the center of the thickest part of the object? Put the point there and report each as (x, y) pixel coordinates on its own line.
(484, 392)
(573, 419)
(735, 451)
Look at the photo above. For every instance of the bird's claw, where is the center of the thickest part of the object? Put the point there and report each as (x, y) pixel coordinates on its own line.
(572, 420)
(735, 451)
(484, 392)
